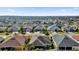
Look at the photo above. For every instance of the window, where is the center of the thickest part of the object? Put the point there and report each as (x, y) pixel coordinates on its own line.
(68, 48)
(61, 48)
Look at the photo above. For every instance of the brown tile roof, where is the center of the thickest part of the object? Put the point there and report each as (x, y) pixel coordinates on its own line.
(21, 39)
(76, 37)
(16, 40)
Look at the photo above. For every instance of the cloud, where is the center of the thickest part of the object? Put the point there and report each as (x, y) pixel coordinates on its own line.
(11, 10)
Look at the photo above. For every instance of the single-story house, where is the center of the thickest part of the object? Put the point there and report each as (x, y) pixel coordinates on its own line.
(2, 29)
(39, 28)
(54, 28)
(65, 42)
(69, 29)
(28, 27)
(40, 41)
(2, 24)
(15, 28)
(16, 42)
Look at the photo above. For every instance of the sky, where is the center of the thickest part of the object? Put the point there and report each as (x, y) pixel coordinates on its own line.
(40, 11)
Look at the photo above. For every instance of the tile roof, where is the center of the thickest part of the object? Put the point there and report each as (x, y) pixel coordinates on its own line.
(76, 37)
(21, 39)
(16, 40)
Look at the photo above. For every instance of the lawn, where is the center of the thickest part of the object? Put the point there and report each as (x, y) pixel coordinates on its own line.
(61, 32)
(4, 35)
(76, 32)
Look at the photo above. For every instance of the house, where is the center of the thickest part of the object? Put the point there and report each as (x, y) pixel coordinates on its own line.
(16, 42)
(73, 29)
(2, 24)
(37, 23)
(69, 29)
(66, 28)
(65, 42)
(14, 28)
(54, 28)
(40, 41)
(28, 27)
(39, 28)
(2, 29)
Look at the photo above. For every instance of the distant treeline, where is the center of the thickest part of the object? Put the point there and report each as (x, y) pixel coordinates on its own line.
(23, 18)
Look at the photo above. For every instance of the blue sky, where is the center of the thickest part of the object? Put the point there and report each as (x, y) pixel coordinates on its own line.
(40, 11)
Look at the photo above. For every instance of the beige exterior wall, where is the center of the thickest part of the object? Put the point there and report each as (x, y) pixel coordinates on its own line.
(75, 48)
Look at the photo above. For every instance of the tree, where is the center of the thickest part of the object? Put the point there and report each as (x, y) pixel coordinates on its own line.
(21, 30)
(52, 45)
(14, 22)
(6, 30)
(33, 29)
(28, 46)
(45, 31)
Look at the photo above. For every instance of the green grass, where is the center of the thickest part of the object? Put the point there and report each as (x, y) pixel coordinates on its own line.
(76, 32)
(61, 32)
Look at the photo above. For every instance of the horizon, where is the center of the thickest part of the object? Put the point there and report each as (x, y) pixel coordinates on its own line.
(39, 11)
(41, 15)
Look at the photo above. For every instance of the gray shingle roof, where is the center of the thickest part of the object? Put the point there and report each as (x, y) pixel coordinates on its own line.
(58, 38)
(64, 40)
(37, 43)
(69, 42)
(44, 40)
(39, 27)
(41, 41)
(53, 27)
